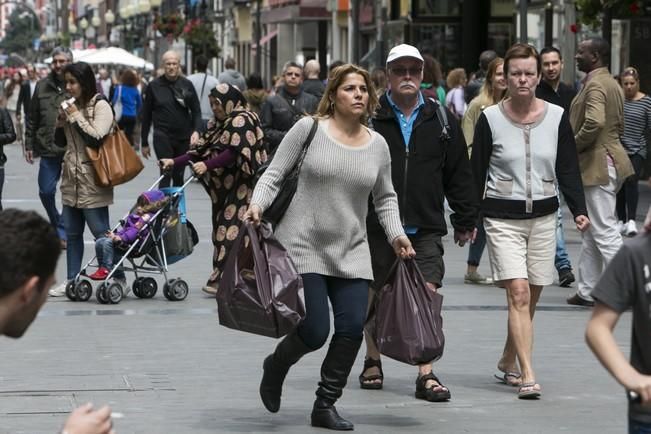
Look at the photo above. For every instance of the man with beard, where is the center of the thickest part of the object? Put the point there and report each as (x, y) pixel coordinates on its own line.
(429, 162)
(39, 137)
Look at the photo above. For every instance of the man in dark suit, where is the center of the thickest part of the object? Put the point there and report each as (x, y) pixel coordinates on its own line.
(26, 92)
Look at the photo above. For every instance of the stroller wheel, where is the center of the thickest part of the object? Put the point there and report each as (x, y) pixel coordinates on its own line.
(83, 290)
(148, 287)
(178, 290)
(136, 286)
(71, 292)
(114, 293)
(166, 289)
(102, 293)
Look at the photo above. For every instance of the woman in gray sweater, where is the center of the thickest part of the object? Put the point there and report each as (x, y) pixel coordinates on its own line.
(324, 231)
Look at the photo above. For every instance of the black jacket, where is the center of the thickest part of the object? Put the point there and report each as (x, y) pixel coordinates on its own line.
(7, 133)
(281, 111)
(24, 98)
(432, 170)
(173, 107)
(562, 98)
(43, 112)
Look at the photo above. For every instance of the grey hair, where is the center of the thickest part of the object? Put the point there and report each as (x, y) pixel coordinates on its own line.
(291, 64)
(62, 50)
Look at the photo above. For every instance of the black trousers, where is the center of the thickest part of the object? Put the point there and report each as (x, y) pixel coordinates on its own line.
(171, 145)
(627, 197)
(128, 124)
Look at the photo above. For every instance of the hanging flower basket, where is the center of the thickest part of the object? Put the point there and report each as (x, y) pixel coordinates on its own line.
(201, 37)
(170, 25)
(591, 10)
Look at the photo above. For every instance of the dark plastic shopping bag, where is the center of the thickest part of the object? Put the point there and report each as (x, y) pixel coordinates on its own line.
(260, 290)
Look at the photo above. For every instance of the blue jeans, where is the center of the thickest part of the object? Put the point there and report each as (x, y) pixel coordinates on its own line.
(476, 249)
(349, 298)
(105, 251)
(49, 173)
(75, 220)
(562, 259)
(635, 427)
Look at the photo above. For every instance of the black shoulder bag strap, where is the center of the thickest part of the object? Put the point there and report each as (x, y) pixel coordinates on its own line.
(306, 144)
(203, 85)
(443, 120)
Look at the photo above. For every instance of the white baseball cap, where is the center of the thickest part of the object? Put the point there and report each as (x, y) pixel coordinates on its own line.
(403, 50)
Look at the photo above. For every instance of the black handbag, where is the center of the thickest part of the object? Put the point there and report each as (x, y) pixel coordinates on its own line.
(279, 206)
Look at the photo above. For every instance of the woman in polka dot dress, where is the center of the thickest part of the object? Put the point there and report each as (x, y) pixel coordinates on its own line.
(226, 159)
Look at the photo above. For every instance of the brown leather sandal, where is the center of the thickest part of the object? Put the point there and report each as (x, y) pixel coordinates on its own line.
(364, 380)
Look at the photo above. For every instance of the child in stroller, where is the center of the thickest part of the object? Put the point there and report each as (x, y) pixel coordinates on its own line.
(146, 206)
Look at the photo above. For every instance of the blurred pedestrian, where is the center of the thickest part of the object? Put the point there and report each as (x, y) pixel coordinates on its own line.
(477, 78)
(7, 136)
(203, 83)
(281, 111)
(379, 79)
(321, 232)
(523, 152)
(39, 136)
(85, 122)
(127, 94)
(24, 101)
(11, 94)
(432, 79)
(172, 105)
(637, 126)
(597, 117)
(232, 76)
(455, 100)
(312, 84)
(225, 159)
(625, 286)
(492, 91)
(255, 93)
(553, 90)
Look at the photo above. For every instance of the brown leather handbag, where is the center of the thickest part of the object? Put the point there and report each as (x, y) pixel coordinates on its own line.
(115, 162)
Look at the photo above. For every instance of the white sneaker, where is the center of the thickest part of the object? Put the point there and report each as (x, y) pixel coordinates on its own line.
(59, 290)
(620, 227)
(630, 229)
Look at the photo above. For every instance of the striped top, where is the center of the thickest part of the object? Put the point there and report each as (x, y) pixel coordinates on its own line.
(324, 229)
(637, 123)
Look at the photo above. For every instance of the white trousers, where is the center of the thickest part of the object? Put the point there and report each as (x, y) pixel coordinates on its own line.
(602, 241)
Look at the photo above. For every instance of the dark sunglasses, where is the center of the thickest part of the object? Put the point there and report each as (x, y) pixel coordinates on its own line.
(293, 74)
(404, 71)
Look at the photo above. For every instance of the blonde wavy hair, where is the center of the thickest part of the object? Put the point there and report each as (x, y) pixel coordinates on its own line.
(335, 79)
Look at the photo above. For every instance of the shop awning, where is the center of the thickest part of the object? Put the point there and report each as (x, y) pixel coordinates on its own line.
(266, 38)
(291, 11)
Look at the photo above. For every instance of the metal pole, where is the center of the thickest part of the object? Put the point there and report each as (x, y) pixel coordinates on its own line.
(524, 33)
(549, 24)
(354, 31)
(258, 37)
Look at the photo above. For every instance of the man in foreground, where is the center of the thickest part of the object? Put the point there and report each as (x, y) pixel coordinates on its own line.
(29, 251)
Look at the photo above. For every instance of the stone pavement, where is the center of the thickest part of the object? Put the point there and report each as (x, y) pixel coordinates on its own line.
(170, 368)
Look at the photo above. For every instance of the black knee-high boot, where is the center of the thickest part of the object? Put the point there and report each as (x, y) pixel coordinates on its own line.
(334, 373)
(276, 366)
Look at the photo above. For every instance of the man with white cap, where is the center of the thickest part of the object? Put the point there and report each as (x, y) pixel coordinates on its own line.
(429, 163)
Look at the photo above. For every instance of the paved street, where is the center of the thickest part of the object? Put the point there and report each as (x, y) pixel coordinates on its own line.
(169, 367)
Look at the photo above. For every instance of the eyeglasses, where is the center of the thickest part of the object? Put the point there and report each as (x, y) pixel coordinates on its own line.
(293, 74)
(404, 71)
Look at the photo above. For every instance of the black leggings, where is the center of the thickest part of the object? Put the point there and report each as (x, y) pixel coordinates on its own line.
(628, 194)
(349, 298)
(128, 124)
(168, 145)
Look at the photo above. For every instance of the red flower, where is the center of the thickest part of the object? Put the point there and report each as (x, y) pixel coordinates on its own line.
(634, 8)
(574, 28)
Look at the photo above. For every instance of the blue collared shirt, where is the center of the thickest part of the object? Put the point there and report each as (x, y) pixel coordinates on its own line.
(406, 126)
(406, 123)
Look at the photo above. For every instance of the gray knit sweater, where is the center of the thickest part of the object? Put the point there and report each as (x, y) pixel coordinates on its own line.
(324, 229)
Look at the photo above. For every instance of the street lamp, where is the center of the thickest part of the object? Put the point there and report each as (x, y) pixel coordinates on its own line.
(83, 23)
(109, 19)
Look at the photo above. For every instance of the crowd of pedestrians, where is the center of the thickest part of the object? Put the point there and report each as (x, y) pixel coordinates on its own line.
(503, 151)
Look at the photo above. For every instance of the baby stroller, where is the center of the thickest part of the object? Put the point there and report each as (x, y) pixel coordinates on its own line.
(167, 237)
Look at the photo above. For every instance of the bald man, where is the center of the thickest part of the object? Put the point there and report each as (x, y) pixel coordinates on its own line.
(312, 84)
(171, 103)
